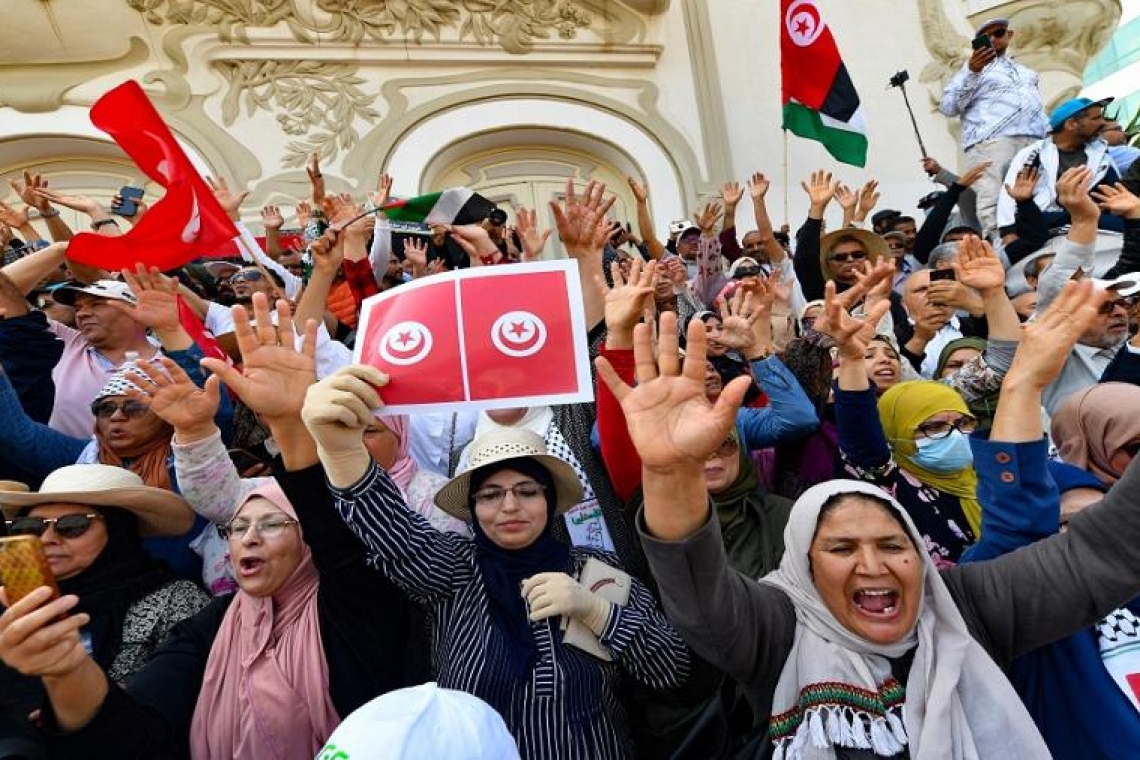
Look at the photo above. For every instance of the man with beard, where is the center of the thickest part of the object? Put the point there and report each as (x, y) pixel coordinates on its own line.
(1106, 337)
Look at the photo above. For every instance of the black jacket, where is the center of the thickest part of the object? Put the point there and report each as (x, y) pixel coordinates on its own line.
(369, 637)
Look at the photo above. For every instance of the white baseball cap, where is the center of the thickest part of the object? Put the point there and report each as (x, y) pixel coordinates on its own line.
(423, 721)
(1124, 285)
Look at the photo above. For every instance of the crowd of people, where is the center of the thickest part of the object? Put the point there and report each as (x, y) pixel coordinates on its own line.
(842, 493)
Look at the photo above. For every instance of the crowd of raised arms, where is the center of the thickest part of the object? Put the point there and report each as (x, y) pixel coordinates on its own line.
(865, 486)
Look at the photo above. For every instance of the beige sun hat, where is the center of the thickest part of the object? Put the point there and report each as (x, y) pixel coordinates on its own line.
(501, 444)
(160, 512)
(875, 246)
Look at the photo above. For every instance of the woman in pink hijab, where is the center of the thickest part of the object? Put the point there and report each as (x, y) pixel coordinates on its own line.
(264, 674)
(1098, 429)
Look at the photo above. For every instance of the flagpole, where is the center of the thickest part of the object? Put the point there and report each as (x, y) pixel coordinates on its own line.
(786, 217)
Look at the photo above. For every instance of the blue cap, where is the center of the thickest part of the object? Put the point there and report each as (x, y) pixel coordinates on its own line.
(1071, 108)
(1067, 477)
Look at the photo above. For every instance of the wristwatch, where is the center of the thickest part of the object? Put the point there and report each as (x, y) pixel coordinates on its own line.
(103, 223)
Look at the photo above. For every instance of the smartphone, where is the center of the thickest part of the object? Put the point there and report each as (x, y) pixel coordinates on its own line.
(243, 460)
(981, 41)
(942, 274)
(128, 203)
(24, 567)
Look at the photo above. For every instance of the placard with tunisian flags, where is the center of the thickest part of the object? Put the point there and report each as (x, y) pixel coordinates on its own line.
(486, 338)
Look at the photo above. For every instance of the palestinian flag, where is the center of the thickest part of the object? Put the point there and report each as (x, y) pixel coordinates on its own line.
(820, 102)
(459, 205)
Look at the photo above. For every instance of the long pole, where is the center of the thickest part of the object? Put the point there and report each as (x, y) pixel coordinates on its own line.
(913, 121)
(786, 217)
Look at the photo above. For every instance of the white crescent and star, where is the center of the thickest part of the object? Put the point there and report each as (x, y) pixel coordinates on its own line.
(804, 22)
(518, 334)
(405, 343)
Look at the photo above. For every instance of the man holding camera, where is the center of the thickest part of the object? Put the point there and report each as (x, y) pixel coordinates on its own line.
(1000, 106)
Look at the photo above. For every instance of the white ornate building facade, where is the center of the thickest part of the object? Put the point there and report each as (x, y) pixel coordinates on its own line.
(510, 97)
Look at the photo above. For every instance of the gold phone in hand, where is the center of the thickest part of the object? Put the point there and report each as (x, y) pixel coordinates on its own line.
(24, 567)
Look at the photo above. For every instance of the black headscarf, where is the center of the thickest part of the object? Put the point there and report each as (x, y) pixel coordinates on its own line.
(122, 574)
(504, 570)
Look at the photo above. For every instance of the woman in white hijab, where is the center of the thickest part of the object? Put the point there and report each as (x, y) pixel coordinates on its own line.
(856, 647)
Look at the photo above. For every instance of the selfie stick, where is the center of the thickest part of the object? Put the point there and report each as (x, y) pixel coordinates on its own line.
(899, 80)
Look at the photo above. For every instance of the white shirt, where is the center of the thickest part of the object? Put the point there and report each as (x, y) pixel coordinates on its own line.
(1002, 100)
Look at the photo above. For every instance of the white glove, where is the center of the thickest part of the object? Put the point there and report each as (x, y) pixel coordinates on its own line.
(550, 594)
(336, 412)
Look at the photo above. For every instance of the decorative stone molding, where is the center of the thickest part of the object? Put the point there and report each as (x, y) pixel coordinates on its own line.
(318, 102)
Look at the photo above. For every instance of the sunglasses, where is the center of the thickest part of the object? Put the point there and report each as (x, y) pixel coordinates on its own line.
(1124, 303)
(743, 272)
(68, 526)
(726, 449)
(843, 258)
(999, 33)
(253, 275)
(105, 410)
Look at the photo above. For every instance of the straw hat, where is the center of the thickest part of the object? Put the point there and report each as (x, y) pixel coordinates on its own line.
(501, 444)
(160, 512)
(874, 245)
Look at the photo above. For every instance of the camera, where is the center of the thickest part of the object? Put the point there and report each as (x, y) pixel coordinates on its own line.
(900, 78)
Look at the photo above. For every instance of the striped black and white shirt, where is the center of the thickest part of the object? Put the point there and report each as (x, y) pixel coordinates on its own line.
(1001, 100)
(566, 707)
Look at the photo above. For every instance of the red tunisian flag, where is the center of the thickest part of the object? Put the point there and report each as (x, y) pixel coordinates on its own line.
(185, 224)
(488, 337)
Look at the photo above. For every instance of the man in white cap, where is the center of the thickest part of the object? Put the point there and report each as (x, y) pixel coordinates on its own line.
(1000, 106)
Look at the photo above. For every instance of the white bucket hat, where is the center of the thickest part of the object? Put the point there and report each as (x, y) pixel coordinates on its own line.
(501, 444)
(422, 722)
(160, 512)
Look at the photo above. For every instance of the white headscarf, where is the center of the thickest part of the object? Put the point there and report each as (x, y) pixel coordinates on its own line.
(836, 687)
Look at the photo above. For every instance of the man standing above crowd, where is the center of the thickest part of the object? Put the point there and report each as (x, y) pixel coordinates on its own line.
(1000, 106)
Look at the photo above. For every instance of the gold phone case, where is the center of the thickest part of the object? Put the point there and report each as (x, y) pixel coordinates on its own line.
(24, 568)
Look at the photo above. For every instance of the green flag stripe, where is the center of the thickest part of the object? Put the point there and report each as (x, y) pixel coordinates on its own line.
(845, 145)
(414, 209)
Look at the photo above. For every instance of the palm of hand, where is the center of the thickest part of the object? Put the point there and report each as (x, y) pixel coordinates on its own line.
(983, 274)
(275, 379)
(735, 332)
(183, 404)
(623, 306)
(13, 218)
(157, 309)
(672, 423)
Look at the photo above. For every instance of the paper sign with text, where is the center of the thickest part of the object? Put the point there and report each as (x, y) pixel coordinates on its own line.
(486, 338)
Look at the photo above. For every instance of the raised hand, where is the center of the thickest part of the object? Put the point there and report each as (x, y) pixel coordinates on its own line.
(845, 197)
(625, 301)
(157, 297)
(533, 241)
(758, 185)
(327, 252)
(383, 192)
(336, 412)
(304, 212)
(14, 218)
(229, 200)
(1073, 194)
(80, 203)
(978, 267)
(416, 252)
(1116, 199)
(475, 241)
(981, 58)
(670, 420)
(1047, 342)
(316, 179)
(581, 220)
(172, 396)
(868, 198)
(707, 218)
(26, 188)
(731, 193)
(1024, 184)
(738, 318)
(820, 189)
(851, 334)
(974, 173)
(872, 282)
(274, 374)
(931, 166)
(271, 218)
(640, 190)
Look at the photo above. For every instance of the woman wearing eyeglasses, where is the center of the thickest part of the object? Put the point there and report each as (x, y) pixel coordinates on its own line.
(496, 601)
(89, 518)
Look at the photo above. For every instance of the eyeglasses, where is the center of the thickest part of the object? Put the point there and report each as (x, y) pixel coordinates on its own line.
(269, 528)
(252, 275)
(727, 448)
(105, 410)
(1124, 303)
(938, 430)
(843, 258)
(68, 526)
(493, 497)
